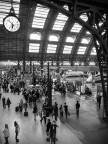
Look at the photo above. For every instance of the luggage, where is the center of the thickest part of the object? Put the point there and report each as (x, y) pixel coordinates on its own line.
(62, 120)
(17, 140)
(25, 114)
(17, 109)
(47, 139)
(68, 113)
(47, 114)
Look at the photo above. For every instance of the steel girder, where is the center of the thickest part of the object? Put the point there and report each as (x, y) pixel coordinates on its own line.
(97, 25)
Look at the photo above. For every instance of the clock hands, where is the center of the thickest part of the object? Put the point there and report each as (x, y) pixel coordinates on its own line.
(11, 23)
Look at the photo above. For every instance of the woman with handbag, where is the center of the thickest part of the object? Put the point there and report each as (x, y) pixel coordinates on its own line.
(6, 133)
(17, 129)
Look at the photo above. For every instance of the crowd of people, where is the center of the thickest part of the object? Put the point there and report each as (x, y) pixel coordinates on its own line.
(30, 99)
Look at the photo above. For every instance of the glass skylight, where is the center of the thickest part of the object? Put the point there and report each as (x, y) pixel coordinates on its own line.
(70, 39)
(40, 16)
(66, 7)
(60, 22)
(84, 17)
(53, 38)
(85, 40)
(93, 51)
(35, 36)
(76, 28)
(34, 47)
(81, 50)
(51, 48)
(87, 32)
(5, 7)
(67, 49)
(97, 42)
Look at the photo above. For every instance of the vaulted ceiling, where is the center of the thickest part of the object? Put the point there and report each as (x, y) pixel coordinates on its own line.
(47, 33)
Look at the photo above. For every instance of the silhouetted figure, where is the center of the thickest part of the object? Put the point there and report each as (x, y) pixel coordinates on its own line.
(4, 102)
(17, 129)
(8, 103)
(77, 108)
(65, 109)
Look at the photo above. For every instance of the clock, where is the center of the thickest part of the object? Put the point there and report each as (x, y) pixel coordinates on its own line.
(11, 23)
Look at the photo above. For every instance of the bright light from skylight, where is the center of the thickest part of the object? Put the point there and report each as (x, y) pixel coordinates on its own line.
(66, 63)
(40, 16)
(76, 63)
(70, 39)
(91, 63)
(93, 51)
(87, 32)
(84, 17)
(66, 7)
(60, 22)
(97, 42)
(67, 49)
(85, 40)
(51, 48)
(76, 28)
(81, 50)
(34, 47)
(53, 38)
(35, 36)
(5, 7)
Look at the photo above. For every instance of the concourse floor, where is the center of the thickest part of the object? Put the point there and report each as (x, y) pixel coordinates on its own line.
(87, 129)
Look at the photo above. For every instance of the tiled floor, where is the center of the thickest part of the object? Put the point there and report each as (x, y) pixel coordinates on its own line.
(88, 129)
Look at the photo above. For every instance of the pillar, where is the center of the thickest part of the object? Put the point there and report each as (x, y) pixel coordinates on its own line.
(24, 64)
(42, 68)
(30, 66)
(49, 89)
(18, 64)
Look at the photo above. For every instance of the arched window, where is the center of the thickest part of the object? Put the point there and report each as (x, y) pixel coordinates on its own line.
(70, 39)
(53, 38)
(85, 40)
(35, 36)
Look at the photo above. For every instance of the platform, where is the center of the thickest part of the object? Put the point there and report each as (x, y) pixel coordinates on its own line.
(87, 129)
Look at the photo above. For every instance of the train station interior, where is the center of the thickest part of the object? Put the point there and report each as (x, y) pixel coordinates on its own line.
(53, 72)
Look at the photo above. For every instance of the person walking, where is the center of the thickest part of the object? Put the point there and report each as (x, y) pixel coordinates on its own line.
(8, 103)
(77, 108)
(6, 133)
(53, 130)
(48, 125)
(61, 111)
(35, 111)
(66, 109)
(4, 102)
(17, 130)
(43, 116)
(0, 96)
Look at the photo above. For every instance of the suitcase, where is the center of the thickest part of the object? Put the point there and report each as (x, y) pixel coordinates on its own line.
(17, 109)
(25, 114)
(47, 139)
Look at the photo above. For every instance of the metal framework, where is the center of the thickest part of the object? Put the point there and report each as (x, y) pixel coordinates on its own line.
(16, 46)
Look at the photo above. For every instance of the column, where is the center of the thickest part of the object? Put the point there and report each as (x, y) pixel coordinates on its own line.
(24, 64)
(49, 89)
(42, 68)
(30, 66)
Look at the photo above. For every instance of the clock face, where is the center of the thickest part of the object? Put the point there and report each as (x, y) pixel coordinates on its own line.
(11, 23)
